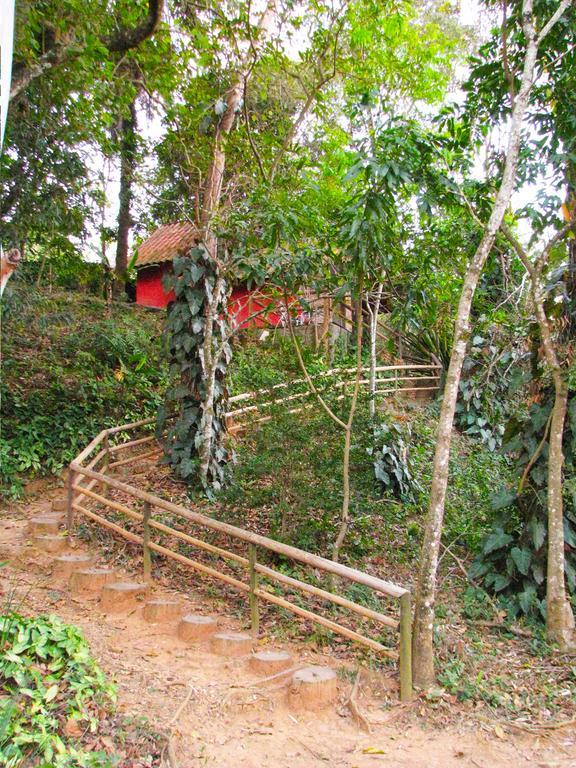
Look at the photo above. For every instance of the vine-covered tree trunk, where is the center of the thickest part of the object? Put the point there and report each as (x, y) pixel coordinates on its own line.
(210, 202)
(423, 648)
(199, 356)
(128, 127)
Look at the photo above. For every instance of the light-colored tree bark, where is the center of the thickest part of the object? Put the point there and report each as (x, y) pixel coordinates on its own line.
(211, 196)
(373, 312)
(559, 616)
(423, 646)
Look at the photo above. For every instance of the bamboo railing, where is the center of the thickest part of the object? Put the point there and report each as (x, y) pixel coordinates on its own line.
(93, 469)
(390, 379)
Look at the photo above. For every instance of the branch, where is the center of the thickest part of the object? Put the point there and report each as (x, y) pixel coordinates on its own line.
(123, 40)
(307, 376)
(126, 39)
(564, 5)
(249, 134)
(508, 76)
(535, 455)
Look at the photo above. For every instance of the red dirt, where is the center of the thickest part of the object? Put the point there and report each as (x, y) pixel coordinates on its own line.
(217, 713)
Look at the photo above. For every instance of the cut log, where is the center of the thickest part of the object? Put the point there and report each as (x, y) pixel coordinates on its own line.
(162, 611)
(194, 628)
(269, 662)
(121, 596)
(58, 505)
(66, 565)
(50, 542)
(313, 688)
(46, 524)
(89, 581)
(231, 644)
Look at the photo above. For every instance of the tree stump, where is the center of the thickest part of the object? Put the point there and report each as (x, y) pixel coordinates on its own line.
(45, 524)
(270, 662)
(157, 611)
(66, 565)
(193, 628)
(313, 688)
(120, 596)
(231, 644)
(89, 581)
(50, 542)
(58, 505)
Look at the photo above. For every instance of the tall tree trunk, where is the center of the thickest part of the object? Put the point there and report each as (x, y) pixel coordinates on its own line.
(210, 202)
(345, 515)
(128, 127)
(559, 616)
(423, 649)
(373, 313)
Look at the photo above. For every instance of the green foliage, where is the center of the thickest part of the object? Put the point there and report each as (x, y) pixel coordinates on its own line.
(47, 679)
(69, 372)
(196, 283)
(513, 557)
(485, 400)
(392, 467)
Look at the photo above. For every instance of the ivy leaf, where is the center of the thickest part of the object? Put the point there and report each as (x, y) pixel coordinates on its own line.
(537, 531)
(528, 599)
(522, 559)
(496, 540)
(51, 693)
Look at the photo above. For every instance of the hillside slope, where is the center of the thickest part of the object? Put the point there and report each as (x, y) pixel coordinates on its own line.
(70, 368)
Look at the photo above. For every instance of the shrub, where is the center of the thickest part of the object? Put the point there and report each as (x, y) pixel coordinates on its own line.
(50, 684)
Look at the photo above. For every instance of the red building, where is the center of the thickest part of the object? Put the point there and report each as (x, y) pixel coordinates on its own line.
(246, 307)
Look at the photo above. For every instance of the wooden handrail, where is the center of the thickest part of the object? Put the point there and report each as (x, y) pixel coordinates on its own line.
(83, 479)
(293, 553)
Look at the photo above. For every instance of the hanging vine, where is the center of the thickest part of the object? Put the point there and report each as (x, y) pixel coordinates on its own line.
(192, 419)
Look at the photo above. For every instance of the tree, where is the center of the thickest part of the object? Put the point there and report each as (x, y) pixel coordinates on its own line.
(62, 33)
(559, 616)
(426, 586)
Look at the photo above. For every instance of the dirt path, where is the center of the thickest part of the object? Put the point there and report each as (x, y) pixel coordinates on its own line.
(220, 715)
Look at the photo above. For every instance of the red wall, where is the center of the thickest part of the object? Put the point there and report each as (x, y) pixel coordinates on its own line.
(149, 291)
(242, 305)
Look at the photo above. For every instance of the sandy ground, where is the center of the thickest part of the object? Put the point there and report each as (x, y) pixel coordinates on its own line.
(219, 714)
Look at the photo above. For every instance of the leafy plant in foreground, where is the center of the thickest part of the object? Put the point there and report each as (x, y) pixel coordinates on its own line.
(49, 685)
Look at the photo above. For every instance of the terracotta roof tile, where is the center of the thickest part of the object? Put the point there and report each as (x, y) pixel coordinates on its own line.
(165, 243)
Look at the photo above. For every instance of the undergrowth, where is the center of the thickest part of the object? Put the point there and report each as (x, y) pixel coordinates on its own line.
(50, 687)
(68, 371)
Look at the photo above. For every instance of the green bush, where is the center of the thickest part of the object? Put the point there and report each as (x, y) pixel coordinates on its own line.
(392, 466)
(69, 371)
(512, 559)
(48, 681)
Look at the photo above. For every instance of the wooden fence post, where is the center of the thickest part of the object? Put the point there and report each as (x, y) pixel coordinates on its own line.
(70, 501)
(146, 556)
(254, 616)
(405, 648)
(105, 463)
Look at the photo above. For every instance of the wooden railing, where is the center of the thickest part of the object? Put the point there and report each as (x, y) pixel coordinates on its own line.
(254, 407)
(91, 480)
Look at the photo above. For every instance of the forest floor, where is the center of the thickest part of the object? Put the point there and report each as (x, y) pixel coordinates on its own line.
(213, 712)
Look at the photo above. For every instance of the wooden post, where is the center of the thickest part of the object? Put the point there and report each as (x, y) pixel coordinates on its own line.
(70, 501)
(104, 470)
(146, 556)
(254, 616)
(405, 648)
